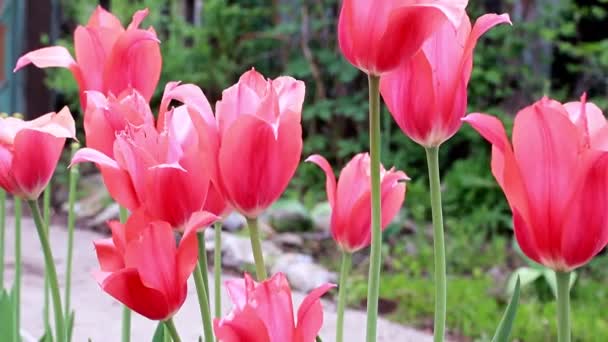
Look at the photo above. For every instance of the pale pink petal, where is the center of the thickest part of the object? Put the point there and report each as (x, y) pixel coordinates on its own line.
(330, 178)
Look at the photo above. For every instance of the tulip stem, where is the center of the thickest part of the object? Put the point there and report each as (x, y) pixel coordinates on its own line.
(51, 271)
(126, 312)
(375, 266)
(46, 211)
(72, 193)
(344, 270)
(563, 306)
(202, 257)
(2, 233)
(203, 303)
(432, 156)
(256, 246)
(172, 330)
(17, 282)
(217, 269)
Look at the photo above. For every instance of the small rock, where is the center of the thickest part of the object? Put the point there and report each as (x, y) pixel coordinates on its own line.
(301, 271)
(95, 197)
(289, 216)
(288, 240)
(111, 212)
(236, 249)
(321, 216)
(234, 222)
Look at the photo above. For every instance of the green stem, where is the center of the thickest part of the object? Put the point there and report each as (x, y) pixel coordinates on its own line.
(256, 246)
(2, 233)
(202, 257)
(17, 319)
(217, 269)
(172, 330)
(72, 193)
(375, 266)
(46, 210)
(432, 155)
(344, 270)
(203, 303)
(563, 306)
(126, 312)
(51, 271)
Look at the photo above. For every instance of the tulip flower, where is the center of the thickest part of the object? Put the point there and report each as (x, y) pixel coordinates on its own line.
(142, 267)
(377, 35)
(263, 312)
(554, 178)
(30, 150)
(427, 95)
(350, 197)
(158, 167)
(109, 59)
(260, 140)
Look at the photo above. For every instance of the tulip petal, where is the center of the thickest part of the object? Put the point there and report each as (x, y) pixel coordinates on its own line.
(188, 94)
(310, 314)
(392, 195)
(274, 307)
(138, 17)
(91, 56)
(242, 325)
(104, 19)
(109, 256)
(187, 252)
(237, 292)
(330, 178)
(127, 287)
(34, 160)
(141, 71)
(59, 125)
(48, 57)
(7, 179)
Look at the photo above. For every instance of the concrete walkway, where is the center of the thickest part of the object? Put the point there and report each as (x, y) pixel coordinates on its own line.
(98, 315)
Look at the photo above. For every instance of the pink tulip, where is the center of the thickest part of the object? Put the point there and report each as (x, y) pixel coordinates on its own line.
(160, 167)
(427, 95)
(260, 140)
(263, 312)
(377, 35)
(555, 180)
(350, 200)
(142, 267)
(109, 59)
(30, 150)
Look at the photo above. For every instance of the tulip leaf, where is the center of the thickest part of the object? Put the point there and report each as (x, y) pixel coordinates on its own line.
(70, 324)
(159, 333)
(503, 332)
(7, 325)
(48, 335)
(552, 281)
(526, 276)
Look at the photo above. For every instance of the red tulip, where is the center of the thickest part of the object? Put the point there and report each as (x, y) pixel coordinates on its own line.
(159, 168)
(30, 150)
(142, 267)
(109, 58)
(350, 200)
(260, 140)
(263, 312)
(377, 35)
(555, 180)
(427, 95)
(216, 203)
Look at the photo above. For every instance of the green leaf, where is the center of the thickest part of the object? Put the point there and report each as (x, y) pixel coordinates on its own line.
(6, 314)
(70, 324)
(506, 323)
(525, 275)
(159, 333)
(48, 335)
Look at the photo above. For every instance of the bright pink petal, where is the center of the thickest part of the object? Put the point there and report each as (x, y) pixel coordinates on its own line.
(187, 252)
(330, 178)
(91, 57)
(49, 57)
(102, 18)
(127, 287)
(237, 292)
(109, 256)
(242, 325)
(188, 94)
(392, 195)
(138, 17)
(273, 305)
(215, 202)
(7, 179)
(310, 314)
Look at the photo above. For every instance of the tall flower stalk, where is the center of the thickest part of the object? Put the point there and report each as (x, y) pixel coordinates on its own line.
(126, 312)
(72, 194)
(18, 266)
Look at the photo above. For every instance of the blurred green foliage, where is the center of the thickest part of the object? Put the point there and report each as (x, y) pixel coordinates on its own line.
(553, 48)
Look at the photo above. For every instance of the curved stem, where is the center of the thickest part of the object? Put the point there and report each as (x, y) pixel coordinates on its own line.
(563, 306)
(256, 246)
(202, 257)
(217, 269)
(344, 270)
(18, 265)
(72, 192)
(51, 271)
(432, 155)
(126, 312)
(172, 330)
(375, 266)
(203, 303)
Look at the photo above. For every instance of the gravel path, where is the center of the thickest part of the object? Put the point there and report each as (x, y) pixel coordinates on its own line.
(98, 315)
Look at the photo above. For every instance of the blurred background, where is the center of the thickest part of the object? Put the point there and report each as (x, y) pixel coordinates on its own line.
(557, 48)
